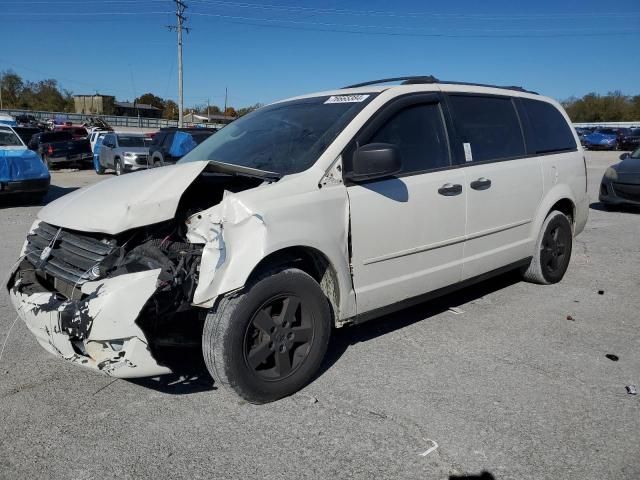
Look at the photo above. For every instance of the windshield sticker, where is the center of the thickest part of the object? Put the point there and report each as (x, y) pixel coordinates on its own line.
(346, 99)
(468, 156)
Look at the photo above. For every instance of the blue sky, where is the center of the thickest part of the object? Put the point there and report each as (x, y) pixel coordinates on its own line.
(263, 51)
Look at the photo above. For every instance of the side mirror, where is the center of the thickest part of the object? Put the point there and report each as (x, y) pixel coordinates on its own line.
(373, 161)
(625, 155)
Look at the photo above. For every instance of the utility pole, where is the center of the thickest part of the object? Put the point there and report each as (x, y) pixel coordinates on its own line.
(224, 113)
(180, 8)
(208, 117)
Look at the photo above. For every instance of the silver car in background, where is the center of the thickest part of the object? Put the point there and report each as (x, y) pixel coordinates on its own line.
(123, 152)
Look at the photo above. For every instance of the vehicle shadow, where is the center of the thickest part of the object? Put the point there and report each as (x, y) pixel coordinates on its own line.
(192, 376)
(482, 476)
(601, 207)
(343, 338)
(179, 383)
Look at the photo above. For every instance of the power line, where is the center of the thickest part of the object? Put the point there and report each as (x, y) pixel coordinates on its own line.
(337, 11)
(348, 28)
(82, 14)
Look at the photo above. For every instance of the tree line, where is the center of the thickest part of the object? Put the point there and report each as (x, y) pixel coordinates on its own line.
(48, 95)
(612, 107)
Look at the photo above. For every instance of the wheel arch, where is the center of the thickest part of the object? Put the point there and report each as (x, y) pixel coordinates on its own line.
(311, 261)
(559, 198)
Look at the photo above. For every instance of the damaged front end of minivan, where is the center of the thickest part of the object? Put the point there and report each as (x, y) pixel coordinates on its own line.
(127, 299)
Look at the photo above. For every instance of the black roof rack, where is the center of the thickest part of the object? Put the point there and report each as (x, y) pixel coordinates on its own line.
(418, 79)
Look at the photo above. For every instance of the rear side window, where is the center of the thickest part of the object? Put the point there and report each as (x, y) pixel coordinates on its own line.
(418, 132)
(549, 132)
(488, 127)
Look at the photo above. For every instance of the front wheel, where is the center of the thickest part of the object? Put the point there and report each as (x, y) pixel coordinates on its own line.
(553, 250)
(269, 341)
(118, 167)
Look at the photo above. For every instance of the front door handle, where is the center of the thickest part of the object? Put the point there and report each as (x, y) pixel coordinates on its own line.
(481, 184)
(450, 189)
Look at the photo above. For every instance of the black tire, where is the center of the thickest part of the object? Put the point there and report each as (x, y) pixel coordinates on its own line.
(158, 161)
(553, 250)
(117, 166)
(99, 170)
(269, 341)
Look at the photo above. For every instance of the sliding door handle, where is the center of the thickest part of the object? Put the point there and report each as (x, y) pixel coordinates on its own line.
(481, 184)
(450, 189)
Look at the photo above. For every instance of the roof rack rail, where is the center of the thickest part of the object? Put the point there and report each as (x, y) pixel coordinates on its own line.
(418, 79)
(412, 79)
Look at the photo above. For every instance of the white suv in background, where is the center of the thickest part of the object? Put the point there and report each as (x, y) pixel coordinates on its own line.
(311, 213)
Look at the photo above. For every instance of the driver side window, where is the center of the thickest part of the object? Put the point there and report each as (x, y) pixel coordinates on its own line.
(418, 132)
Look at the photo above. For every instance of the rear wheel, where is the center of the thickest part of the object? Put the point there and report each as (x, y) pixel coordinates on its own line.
(118, 167)
(269, 341)
(553, 250)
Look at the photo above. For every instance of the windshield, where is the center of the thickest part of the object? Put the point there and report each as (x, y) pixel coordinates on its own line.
(607, 131)
(131, 141)
(9, 139)
(635, 132)
(285, 137)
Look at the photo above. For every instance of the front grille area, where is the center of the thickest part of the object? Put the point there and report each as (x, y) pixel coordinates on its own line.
(72, 255)
(141, 159)
(628, 191)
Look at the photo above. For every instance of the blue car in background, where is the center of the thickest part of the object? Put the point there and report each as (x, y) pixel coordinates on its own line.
(22, 171)
(602, 139)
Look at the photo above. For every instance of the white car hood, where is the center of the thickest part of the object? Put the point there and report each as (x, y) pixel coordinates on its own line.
(121, 203)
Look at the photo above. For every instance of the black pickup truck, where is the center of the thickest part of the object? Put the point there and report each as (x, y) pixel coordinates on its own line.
(57, 148)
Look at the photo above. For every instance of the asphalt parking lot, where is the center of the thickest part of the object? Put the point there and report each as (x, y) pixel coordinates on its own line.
(510, 386)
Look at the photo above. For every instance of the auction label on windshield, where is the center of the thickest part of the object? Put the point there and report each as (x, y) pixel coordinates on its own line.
(346, 99)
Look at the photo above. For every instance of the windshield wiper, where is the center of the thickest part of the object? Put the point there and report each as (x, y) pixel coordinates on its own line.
(232, 169)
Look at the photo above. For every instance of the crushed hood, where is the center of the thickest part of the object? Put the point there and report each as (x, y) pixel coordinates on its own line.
(122, 203)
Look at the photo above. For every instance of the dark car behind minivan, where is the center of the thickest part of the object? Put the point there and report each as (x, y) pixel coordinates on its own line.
(166, 149)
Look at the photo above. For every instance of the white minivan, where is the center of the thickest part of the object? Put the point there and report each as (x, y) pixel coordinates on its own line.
(305, 215)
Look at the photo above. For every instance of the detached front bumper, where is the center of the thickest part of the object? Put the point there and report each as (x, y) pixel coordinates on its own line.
(99, 330)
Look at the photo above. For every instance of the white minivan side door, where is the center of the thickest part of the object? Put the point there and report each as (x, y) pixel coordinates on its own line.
(407, 231)
(503, 183)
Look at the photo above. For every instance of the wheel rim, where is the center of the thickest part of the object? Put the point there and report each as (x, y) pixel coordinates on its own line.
(118, 168)
(554, 250)
(278, 338)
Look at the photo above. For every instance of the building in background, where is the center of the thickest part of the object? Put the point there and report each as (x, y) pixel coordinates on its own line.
(94, 104)
(129, 109)
(217, 118)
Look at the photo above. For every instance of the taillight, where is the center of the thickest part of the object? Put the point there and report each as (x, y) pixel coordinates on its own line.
(49, 150)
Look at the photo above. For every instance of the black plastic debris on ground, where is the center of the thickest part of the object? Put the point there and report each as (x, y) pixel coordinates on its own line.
(600, 292)
(612, 357)
(631, 389)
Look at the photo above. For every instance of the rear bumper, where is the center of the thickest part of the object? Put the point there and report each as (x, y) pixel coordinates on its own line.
(98, 331)
(36, 185)
(79, 157)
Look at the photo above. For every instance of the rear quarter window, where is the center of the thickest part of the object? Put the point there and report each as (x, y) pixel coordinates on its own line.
(548, 130)
(489, 125)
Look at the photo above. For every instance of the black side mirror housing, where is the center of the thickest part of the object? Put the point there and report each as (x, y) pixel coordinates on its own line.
(625, 155)
(374, 161)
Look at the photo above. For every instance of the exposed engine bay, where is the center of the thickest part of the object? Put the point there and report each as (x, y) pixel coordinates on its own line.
(70, 265)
